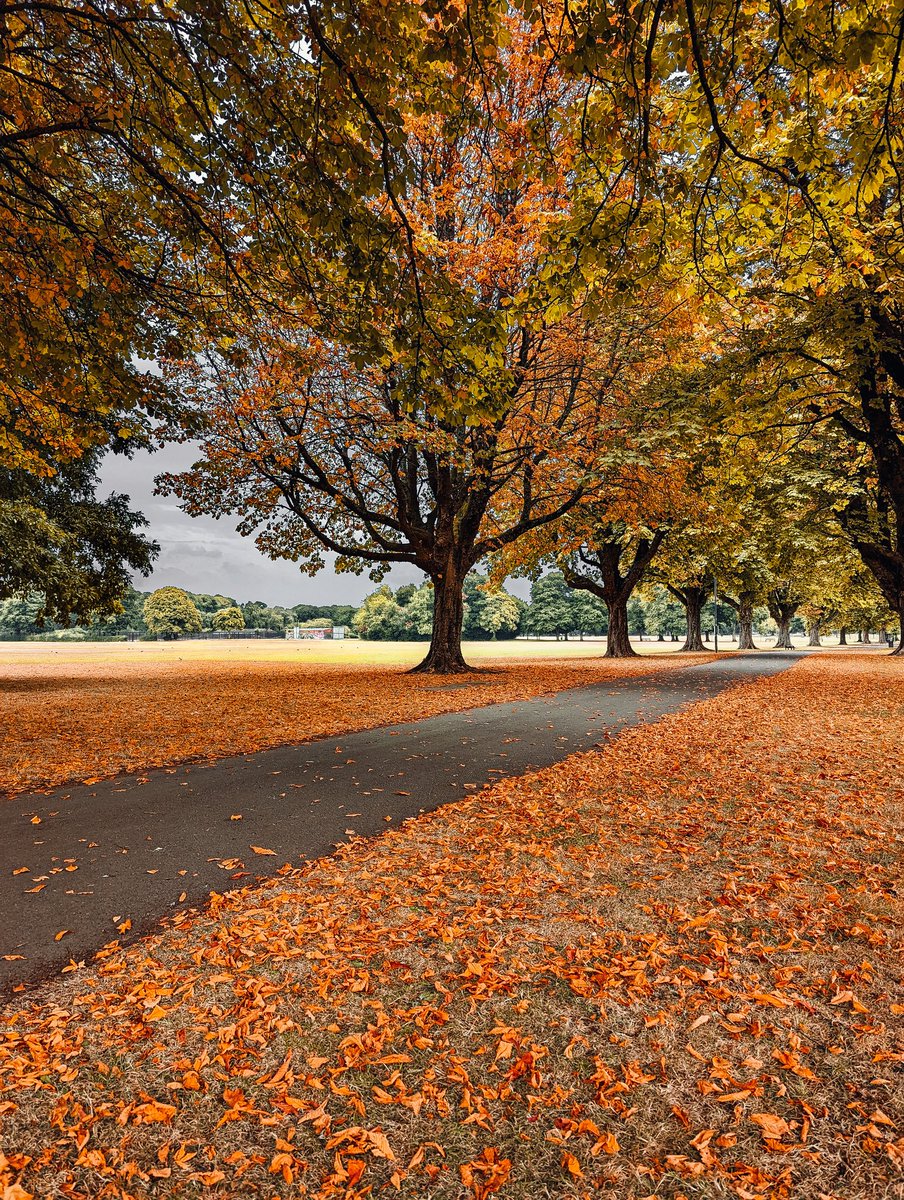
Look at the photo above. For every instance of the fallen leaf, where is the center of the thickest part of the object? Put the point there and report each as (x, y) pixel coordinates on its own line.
(772, 1126)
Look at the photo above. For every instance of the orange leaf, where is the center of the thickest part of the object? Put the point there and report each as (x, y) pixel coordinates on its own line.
(772, 1126)
(380, 1144)
(154, 1112)
(572, 1166)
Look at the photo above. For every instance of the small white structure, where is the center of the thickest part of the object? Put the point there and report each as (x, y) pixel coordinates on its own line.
(315, 633)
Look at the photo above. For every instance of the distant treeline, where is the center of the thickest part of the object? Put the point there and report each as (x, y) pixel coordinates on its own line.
(405, 614)
(554, 610)
(20, 618)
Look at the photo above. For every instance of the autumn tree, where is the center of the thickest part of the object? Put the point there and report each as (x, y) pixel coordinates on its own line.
(138, 186)
(113, 168)
(112, 180)
(685, 569)
(768, 137)
(610, 563)
(463, 407)
(639, 491)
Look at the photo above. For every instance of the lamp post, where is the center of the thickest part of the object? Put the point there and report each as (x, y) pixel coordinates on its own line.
(715, 615)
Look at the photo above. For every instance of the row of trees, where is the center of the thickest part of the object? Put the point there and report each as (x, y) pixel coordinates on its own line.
(601, 289)
(675, 613)
(554, 610)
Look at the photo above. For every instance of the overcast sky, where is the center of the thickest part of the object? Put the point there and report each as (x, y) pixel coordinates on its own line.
(204, 555)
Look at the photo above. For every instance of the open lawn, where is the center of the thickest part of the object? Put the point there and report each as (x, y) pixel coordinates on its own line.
(77, 712)
(671, 968)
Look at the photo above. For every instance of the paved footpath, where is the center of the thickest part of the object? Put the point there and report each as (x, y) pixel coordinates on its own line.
(137, 847)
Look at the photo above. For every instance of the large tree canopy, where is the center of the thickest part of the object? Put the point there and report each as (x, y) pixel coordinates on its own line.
(415, 265)
(466, 405)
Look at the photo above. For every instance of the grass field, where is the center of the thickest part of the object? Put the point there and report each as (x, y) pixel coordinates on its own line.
(668, 970)
(79, 712)
(346, 652)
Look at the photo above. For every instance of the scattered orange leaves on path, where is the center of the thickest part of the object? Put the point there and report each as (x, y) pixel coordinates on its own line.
(73, 715)
(668, 969)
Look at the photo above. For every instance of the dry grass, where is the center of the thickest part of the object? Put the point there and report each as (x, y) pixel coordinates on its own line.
(76, 712)
(670, 969)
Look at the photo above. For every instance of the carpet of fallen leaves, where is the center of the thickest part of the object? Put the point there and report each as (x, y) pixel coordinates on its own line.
(80, 714)
(668, 969)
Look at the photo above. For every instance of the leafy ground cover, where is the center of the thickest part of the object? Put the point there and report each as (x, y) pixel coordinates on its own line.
(84, 712)
(671, 968)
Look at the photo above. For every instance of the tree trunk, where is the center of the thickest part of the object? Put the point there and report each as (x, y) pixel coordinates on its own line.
(618, 643)
(842, 636)
(745, 623)
(864, 637)
(692, 599)
(783, 642)
(444, 656)
(814, 634)
(782, 609)
(900, 647)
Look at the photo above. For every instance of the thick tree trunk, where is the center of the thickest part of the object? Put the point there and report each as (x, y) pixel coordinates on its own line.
(743, 606)
(864, 637)
(814, 634)
(618, 643)
(745, 622)
(783, 642)
(444, 656)
(842, 636)
(900, 647)
(782, 610)
(692, 599)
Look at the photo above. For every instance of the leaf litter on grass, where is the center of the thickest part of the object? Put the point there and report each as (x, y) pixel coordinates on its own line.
(671, 968)
(124, 715)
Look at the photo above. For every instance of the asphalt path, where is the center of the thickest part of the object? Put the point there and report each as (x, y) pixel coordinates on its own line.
(127, 851)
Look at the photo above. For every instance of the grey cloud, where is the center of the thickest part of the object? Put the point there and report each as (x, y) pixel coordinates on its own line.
(207, 555)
